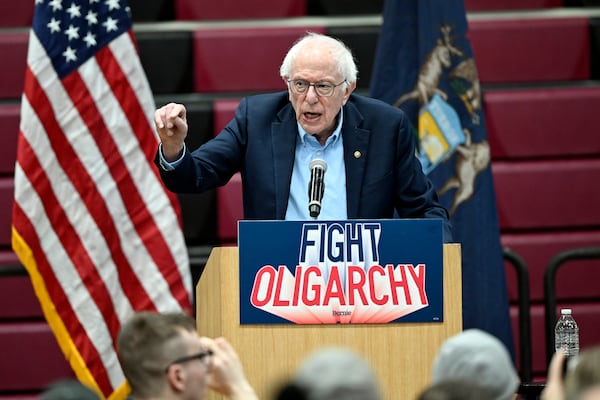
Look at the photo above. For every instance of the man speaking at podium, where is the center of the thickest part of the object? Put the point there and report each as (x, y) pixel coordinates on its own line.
(367, 167)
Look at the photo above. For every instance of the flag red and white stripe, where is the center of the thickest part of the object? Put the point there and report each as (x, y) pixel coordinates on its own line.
(92, 223)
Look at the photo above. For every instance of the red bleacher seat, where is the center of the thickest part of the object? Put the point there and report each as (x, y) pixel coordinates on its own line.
(489, 5)
(8, 258)
(242, 59)
(31, 356)
(17, 299)
(542, 122)
(531, 50)
(16, 13)
(13, 47)
(223, 112)
(538, 248)
(229, 210)
(547, 194)
(232, 9)
(9, 121)
(595, 45)
(6, 201)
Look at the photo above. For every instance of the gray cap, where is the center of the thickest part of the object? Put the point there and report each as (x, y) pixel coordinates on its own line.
(476, 356)
(337, 373)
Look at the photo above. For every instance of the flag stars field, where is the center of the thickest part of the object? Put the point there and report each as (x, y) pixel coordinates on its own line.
(84, 27)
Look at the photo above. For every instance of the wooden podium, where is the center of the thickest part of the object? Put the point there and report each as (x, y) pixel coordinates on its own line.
(401, 353)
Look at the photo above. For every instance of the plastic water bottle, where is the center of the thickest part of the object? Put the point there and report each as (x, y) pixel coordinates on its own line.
(566, 334)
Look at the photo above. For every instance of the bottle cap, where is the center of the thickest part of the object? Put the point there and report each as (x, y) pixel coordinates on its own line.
(565, 311)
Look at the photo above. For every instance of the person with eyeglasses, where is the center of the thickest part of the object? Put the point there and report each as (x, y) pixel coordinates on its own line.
(162, 357)
(368, 146)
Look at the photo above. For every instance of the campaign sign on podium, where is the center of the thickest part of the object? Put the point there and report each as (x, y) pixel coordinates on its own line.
(332, 272)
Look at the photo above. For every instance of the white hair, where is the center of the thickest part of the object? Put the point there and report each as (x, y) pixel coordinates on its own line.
(339, 52)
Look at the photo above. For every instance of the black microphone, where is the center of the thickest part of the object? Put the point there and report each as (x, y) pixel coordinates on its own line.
(316, 186)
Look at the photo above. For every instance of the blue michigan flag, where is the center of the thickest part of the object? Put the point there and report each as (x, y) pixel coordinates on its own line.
(424, 65)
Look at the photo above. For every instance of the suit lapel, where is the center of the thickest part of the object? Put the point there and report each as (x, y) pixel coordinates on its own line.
(356, 144)
(283, 133)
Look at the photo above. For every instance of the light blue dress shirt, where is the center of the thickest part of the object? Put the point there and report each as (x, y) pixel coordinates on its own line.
(333, 205)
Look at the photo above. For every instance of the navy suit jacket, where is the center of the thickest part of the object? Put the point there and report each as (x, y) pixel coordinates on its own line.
(383, 177)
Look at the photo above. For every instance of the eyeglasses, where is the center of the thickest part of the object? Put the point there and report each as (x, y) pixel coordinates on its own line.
(198, 356)
(324, 89)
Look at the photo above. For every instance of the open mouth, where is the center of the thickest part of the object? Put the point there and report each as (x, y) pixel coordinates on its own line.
(311, 116)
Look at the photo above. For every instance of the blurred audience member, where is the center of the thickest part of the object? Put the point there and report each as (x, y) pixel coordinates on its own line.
(333, 373)
(163, 358)
(477, 357)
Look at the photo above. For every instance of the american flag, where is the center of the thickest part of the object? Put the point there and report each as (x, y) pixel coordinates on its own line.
(98, 233)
